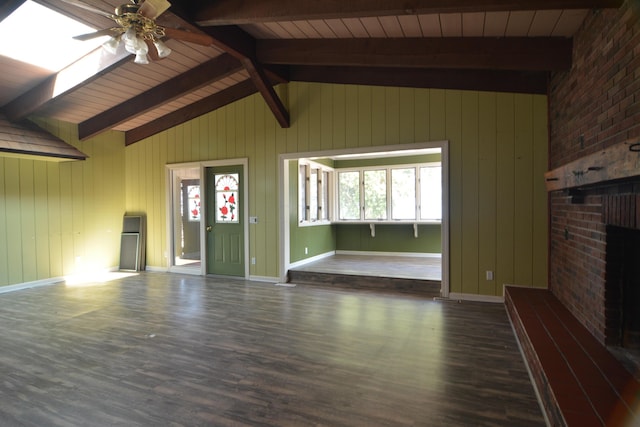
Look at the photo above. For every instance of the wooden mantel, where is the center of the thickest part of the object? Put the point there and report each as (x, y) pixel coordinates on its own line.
(616, 162)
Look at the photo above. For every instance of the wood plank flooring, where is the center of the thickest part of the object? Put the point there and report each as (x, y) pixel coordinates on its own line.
(172, 350)
(405, 267)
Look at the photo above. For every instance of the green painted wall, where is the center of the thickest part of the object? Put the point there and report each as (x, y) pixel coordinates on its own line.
(389, 238)
(59, 219)
(498, 154)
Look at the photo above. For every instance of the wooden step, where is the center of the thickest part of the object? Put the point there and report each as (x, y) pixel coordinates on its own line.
(578, 380)
(421, 287)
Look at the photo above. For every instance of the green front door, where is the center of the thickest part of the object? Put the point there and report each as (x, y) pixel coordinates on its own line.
(225, 221)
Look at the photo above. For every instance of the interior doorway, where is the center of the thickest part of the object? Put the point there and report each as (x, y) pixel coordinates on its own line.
(186, 216)
(289, 202)
(207, 226)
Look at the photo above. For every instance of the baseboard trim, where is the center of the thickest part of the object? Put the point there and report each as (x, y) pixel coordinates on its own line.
(29, 285)
(265, 279)
(399, 254)
(312, 259)
(477, 298)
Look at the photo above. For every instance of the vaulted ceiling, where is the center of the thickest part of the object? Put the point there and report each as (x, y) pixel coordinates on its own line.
(242, 47)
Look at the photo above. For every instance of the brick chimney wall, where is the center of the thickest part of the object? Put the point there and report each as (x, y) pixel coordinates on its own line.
(594, 105)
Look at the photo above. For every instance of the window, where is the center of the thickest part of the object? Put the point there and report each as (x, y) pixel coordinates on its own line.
(403, 193)
(51, 45)
(390, 193)
(227, 197)
(375, 191)
(324, 192)
(431, 192)
(349, 195)
(313, 193)
(302, 192)
(387, 193)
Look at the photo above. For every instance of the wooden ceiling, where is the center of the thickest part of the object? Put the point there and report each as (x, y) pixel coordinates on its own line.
(248, 46)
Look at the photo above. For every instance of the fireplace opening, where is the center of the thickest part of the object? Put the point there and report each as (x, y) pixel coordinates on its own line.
(622, 290)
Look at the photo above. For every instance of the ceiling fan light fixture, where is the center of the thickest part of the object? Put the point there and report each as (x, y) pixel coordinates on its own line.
(136, 28)
(131, 41)
(141, 52)
(141, 58)
(163, 49)
(111, 45)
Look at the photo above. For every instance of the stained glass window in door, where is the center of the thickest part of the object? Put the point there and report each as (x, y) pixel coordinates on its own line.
(193, 197)
(227, 198)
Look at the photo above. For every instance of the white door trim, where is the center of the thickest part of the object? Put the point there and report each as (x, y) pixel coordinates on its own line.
(284, 202)
(244, 162)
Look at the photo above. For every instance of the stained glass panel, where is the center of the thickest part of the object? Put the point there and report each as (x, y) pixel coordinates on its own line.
(227, 197)
(193, 195)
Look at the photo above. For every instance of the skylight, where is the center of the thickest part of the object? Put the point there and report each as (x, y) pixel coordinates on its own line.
(39, 36)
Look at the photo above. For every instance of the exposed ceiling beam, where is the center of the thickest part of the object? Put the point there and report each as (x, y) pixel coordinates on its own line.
(73, 77)
(205, 73)
(233, 40)
(242, 46)
(513, 53)
(228, 12)
(198, 108)
(260, 80)
(484, 80)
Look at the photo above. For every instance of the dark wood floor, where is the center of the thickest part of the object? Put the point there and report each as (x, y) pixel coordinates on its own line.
(160, 349)
(406, 267)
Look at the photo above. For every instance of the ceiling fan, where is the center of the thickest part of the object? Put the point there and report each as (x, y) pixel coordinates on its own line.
(137, 29)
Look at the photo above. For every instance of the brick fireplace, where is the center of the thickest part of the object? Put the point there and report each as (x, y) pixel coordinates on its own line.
(622, 287)
(593, 107)
(587, 253)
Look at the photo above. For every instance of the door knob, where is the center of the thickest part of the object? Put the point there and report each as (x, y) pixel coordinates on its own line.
(209, 228)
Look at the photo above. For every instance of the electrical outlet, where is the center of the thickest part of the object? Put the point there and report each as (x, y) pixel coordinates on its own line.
(253, 260)
(489, 275)
(306, 251)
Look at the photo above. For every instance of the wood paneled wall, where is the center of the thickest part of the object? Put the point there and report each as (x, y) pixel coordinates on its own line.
(58, 219)
(498, 155)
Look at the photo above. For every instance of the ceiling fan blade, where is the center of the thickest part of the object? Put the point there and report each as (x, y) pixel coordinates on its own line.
(153, 8)
(188, 36)
(113, 32)
(90, 8)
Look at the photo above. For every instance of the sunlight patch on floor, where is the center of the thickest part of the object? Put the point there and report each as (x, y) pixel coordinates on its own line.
(86, 279)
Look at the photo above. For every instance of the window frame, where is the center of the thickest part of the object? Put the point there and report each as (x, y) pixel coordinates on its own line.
(389, 196)
(324, 214)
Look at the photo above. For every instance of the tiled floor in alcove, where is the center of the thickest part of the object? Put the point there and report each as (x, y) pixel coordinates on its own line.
(410, 267)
